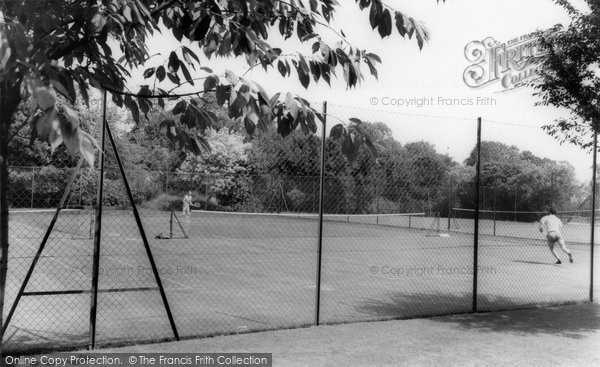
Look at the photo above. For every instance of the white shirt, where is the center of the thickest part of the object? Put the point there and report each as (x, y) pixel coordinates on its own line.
(551, 223)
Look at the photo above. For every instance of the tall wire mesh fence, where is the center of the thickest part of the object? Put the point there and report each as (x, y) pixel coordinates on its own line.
(235, 237)
(518, 188)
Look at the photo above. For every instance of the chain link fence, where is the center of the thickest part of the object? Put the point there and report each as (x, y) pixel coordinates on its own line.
(396, 241)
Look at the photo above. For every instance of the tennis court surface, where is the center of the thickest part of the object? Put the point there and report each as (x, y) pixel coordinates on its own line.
(552, 336)
(249, 272)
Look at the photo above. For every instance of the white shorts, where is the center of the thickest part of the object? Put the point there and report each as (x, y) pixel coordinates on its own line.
(554, 237)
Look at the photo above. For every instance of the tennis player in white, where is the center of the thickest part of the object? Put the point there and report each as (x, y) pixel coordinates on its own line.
(552, 225)
(187, 202)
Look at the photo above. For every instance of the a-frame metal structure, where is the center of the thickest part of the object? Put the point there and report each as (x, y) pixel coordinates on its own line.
(93, 291)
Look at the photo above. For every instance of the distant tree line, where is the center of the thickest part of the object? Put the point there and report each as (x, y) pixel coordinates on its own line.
(267, 172)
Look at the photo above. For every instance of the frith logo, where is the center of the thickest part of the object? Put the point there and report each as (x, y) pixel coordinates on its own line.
(508, 63)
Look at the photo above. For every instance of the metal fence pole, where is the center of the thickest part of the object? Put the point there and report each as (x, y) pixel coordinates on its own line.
(32, 184)
(140, 226)
(476, 228)
(449, 202)
(515, 216)
(98, 231)
(494, 193)
(320, 239)
(593, 217)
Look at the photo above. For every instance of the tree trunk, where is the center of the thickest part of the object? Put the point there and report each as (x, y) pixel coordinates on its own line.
(9, 100)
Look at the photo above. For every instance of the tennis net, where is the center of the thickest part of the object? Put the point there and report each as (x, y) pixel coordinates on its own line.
(567, 216)
(399, 219)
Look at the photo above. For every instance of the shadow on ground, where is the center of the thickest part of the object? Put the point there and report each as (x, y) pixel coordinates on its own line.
(573, 320)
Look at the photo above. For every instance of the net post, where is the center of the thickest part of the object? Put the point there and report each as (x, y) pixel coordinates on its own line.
(476, 224)
(320, 239)
(593, 217)
(142, 233)
(171, 224)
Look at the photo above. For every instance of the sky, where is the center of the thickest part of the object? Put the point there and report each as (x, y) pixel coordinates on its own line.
(421, 95)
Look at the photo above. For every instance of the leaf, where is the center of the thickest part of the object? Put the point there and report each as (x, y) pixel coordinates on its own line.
(249, 125)
(400, 21)
(173, 78)
(236, 107)
(310, 120)
(179, 107)
(316, 47)
(385, 27)
(284, 125)
(222, 94)
(44, 97)
(186, 73)
(354, 120)
(5, 51)
(187, 53)
(127, 13)
(372, 68)
(373, 56)
(173, 62)
(336, 131)
(231, 77)
(273, 101)
(282, 69)
(149, 72)
(303, 77)
(41, 123)
(201, 29)
(204, 144)
(133, 107)
(160, 73)
(60, 88)
(374, 14)
(87, 147)
(371, 150)
(210, 82)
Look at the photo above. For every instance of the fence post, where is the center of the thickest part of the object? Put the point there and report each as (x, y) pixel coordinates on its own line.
(320, 239)
(593, 217)
(97, 231)
(476, 227)
(449, 201)
(32, 184)
(494, 201)
(515, 216)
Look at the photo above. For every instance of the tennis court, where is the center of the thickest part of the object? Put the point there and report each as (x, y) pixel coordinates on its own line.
(244, 272)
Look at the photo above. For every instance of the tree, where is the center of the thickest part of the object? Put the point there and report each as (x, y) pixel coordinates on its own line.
(55, 52)
(569, 76)
(510, 175)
